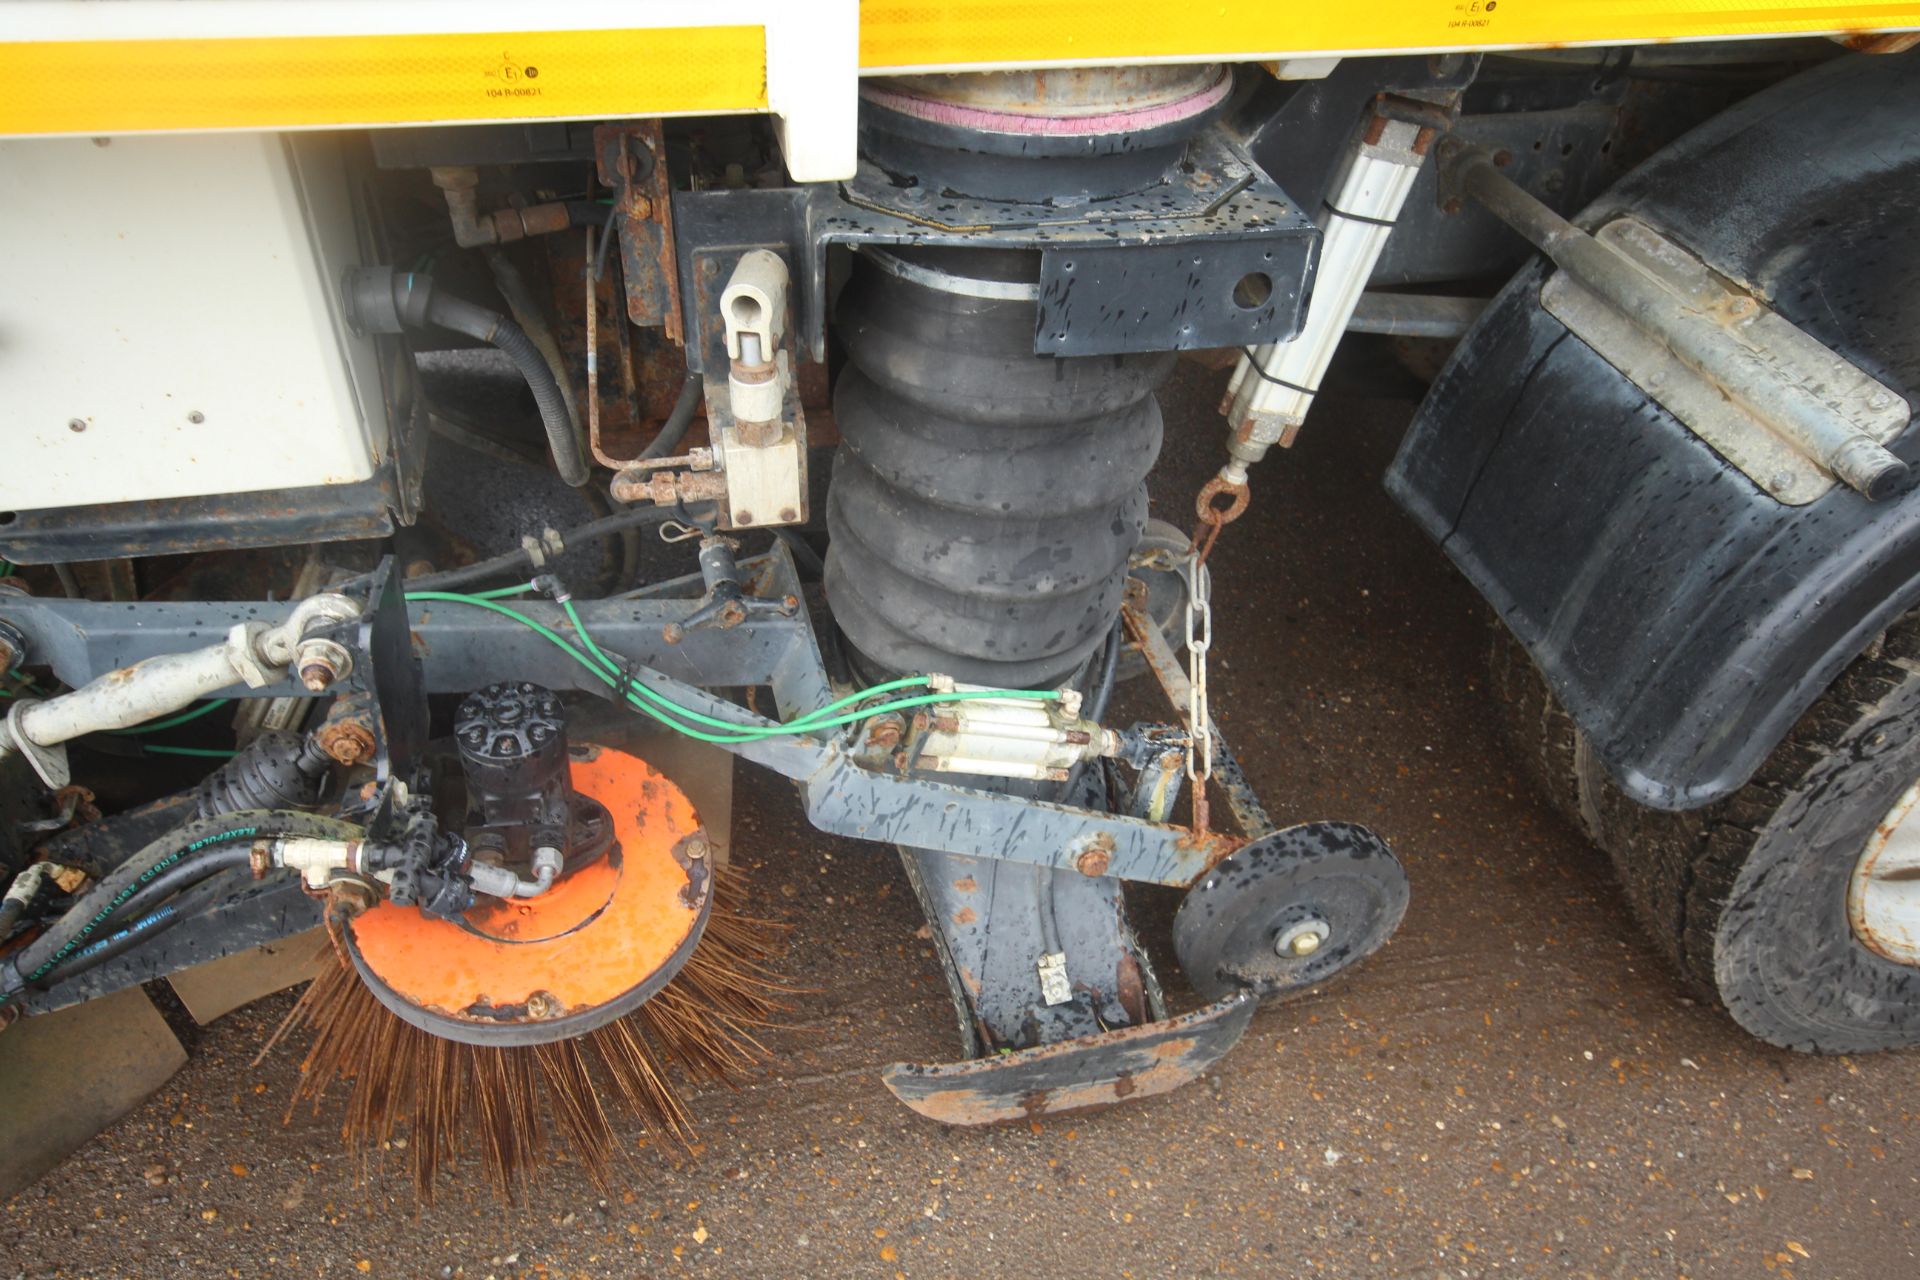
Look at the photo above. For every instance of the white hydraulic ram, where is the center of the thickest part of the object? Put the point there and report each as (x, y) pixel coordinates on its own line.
(1268, 398)
(253, 653)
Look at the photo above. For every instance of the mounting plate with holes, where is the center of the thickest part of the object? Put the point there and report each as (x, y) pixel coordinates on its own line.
(1216, 256)
(1180, 296)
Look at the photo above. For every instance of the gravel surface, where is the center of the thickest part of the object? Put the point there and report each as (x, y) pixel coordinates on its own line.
(1515, 1085)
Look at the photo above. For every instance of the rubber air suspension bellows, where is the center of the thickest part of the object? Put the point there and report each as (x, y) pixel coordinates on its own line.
(985, 499)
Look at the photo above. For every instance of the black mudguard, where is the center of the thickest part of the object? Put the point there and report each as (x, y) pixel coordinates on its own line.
(1683, 617)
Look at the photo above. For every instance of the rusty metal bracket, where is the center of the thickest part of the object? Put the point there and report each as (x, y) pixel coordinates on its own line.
(632, 162)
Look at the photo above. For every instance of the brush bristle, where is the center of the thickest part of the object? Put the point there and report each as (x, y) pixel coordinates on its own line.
(515, 1105)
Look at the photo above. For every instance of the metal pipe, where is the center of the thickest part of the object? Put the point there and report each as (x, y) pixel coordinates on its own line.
(1414, 315)
(1787, 408)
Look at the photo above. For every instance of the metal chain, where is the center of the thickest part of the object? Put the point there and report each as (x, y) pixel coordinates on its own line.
(1199, 640)
(1213, 519)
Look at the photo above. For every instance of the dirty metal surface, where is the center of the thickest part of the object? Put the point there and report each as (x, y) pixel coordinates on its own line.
(633, 164)
(71, 1074)
(1074, 1075)
(845, 799)
(991, 920)
(1151, 271)
(629, 384)
(458, 647)
(179, 526)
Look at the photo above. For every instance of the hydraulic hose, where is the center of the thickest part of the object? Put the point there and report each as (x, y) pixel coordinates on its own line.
(511, 340)
(382, 300)
(147, 914)
(181, 875)
(519, 560)
(186, 843)
(527, 313)
(143, 930)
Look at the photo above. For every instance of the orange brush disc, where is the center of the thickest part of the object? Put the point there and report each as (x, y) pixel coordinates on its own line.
(606, 937)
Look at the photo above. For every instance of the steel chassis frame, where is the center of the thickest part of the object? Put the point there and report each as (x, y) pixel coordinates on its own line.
(458, 648)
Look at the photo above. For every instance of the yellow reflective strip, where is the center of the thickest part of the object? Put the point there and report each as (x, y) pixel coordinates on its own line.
(923, 33)
(118, 86)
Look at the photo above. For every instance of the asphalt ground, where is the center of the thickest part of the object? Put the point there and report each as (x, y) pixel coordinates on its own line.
(1516, 1084)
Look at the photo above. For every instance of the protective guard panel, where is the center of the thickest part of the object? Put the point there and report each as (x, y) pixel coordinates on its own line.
(1683, 617)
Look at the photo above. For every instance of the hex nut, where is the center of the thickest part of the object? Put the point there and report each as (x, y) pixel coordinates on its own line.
(321, 663)
(346, 741)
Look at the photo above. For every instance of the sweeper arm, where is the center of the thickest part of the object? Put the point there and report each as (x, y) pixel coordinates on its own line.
(523, 835)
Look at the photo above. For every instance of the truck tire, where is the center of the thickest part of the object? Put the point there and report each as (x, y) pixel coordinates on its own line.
(1749, 897)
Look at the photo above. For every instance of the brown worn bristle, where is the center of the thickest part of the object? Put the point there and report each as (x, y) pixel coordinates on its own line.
(516, 1105)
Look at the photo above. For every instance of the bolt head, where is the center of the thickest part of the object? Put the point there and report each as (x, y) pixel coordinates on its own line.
(76, 425)
(1298, 941)
(1094, 862)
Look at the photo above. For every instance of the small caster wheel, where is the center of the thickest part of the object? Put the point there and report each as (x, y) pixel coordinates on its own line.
(1290, 910)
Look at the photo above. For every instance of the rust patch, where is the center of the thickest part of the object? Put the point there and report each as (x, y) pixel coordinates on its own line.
(633, 162)
(967, 884)
(965, 915)
(1173, 1048)
(1130, 987)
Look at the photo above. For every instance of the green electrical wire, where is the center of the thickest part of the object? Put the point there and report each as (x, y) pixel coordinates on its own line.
(208, 753)
(747, 733)
(813, 720)
(154, 726)
(643, 699)
(614, 668)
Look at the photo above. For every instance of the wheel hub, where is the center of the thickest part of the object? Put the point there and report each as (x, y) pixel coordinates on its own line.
(1883, 898)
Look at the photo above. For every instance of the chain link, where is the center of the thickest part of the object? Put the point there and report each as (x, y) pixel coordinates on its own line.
(1199, 640)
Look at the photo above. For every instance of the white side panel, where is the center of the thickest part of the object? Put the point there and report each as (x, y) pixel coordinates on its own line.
(165, 294)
